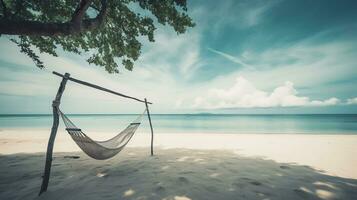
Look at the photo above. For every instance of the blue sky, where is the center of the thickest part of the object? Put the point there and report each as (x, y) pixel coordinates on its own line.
(283, 56)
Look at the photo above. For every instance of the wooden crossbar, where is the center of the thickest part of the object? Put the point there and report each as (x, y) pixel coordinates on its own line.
(99, 87)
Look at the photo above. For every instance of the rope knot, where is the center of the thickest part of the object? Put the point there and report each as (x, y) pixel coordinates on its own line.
(55, 103)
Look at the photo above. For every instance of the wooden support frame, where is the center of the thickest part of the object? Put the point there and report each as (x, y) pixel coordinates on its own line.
(51, 141)
(55, 111)
(152, 131)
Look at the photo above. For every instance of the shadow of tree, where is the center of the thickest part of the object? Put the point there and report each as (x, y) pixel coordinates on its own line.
(179, 174)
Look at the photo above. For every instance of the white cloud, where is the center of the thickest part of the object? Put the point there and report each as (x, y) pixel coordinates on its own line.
(352, 101)
(243, 94)
(328, 102)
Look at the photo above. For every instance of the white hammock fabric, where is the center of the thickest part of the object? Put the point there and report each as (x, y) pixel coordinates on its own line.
(101, 150)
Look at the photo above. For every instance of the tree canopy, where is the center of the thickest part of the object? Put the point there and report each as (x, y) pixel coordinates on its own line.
(105, 29)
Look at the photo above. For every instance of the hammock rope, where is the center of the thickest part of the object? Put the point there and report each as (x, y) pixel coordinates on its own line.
(101, 150)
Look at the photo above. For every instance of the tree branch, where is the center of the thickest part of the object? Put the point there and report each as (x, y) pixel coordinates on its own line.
(27, 27)
(79, 14)
(96, 22)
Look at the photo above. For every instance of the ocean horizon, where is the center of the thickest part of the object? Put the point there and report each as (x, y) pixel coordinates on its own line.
(198, 123)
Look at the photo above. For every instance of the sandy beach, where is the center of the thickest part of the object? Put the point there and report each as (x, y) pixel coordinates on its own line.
(185, 166)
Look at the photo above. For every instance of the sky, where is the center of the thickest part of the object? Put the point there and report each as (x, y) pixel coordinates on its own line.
(244, 57)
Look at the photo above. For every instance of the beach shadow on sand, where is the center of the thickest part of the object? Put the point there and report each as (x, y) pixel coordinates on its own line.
(179, 174)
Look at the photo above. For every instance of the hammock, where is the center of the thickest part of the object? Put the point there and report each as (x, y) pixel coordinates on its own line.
(101, 150)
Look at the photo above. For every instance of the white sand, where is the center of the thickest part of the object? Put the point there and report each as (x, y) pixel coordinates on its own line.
(335, 154)
(186, 166)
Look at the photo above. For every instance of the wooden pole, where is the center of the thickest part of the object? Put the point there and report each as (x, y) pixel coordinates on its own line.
(152, 132)
(55, 107)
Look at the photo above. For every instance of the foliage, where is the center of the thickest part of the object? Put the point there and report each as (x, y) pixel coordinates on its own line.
(106, 30)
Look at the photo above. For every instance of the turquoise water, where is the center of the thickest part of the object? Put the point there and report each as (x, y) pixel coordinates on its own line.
(208, 123)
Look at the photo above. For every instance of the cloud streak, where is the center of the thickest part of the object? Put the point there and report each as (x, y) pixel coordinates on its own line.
(231, 58)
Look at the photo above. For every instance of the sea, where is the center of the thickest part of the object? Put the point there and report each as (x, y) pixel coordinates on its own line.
(197, 123)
